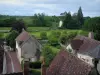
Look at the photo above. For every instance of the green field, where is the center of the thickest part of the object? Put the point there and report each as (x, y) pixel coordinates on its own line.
(37, 30)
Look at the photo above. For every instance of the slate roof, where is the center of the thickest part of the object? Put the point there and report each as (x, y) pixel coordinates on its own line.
(67, 64)
(84, 44)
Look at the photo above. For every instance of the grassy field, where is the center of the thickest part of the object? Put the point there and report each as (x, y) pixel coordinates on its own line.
(80, 32)
(37, 30)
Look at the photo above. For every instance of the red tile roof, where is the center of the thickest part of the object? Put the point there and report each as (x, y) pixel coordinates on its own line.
(23, 36)
(13, 65)
(67, 64)
(88, 44)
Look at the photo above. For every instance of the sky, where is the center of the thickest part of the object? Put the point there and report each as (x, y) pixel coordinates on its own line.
(49, 7)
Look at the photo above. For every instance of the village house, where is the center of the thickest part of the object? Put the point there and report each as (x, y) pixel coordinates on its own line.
(28, 47)
(86, 48)
(66, 63)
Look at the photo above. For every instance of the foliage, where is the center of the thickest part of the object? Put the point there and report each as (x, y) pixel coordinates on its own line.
(18, 26)
(47, 54)
(66, 37)
(35, 65)
(54, 37)
(10, 38)
(67, 19)
(7, 22)
(43, 35)
(80, 17)
(35, 72)
(1, 35)
(93, 24)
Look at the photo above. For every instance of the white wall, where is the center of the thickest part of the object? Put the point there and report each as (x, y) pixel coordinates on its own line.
(18, 52)
(85, 58)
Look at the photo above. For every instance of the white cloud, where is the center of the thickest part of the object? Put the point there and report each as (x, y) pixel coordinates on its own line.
(12, 2)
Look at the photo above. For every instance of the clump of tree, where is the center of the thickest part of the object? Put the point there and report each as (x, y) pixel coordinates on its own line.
(93, 24)
(74, 21)
(18, 26)
(10, 38)
(7, 22)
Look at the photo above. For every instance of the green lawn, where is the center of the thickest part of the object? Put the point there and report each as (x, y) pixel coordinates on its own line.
(36, 71)
(36, 29)
(5, 28)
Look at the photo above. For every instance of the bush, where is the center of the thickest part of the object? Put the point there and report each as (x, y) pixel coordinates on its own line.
(35, 65)
(35, 72)
(43, 35)
(48, 54)
(66, 37)
(54, 38)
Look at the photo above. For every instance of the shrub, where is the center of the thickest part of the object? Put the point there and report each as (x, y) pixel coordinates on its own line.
(48, 54)
(66, 37)
(43, 35)
(35, 72)
(54, 38)
(35, 65)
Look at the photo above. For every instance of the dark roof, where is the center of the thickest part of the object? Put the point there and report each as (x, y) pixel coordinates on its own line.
(67, 64)
(84, 44)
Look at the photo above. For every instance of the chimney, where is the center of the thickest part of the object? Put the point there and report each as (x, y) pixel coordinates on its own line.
(91, 35)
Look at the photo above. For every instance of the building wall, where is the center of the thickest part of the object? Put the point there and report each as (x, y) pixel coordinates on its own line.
(18, 52)
(85, 58)
(29, 49)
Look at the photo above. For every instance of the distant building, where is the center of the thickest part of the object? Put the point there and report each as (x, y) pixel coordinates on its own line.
(67, 64)
(28, 47)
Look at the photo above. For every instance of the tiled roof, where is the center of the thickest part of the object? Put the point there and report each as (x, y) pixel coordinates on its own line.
(13, 65)
(88, 43)
(67, 64)
(23, 36)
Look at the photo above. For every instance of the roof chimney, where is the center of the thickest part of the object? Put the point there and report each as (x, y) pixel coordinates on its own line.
(91, 35)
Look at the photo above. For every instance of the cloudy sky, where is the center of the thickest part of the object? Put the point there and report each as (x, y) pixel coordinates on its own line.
(49, 7)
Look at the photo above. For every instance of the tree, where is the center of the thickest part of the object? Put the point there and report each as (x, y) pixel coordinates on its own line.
(67, 20)
(10, 38)
(93, 24)
(80, 17)
(18, 26)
